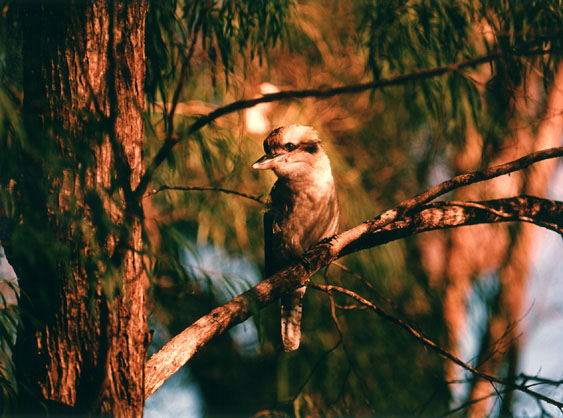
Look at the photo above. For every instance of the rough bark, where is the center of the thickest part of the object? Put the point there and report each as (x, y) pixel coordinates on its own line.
(83, 342)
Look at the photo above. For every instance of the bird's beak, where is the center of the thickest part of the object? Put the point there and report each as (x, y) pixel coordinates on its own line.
(268, 161)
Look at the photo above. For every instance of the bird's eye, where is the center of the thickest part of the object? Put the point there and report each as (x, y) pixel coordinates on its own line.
(290, 146)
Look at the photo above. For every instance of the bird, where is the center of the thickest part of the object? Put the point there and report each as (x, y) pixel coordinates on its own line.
(302, 209)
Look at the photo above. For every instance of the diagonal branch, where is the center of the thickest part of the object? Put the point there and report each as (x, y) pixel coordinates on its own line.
(431, 344)
(321, 93)
(186, 63)
(478, 176)
(449, 185)
(439, 215)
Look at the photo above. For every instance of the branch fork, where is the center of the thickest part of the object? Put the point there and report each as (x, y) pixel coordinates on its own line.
(412, 216)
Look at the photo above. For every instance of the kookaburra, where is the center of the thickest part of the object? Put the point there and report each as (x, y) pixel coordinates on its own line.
(302, 210)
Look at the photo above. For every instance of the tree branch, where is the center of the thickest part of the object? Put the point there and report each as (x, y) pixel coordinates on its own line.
(321, 93)
(433, 216)
(183, 75)
(449, 185)
(205, 189)
(478, 176)
(431, 344)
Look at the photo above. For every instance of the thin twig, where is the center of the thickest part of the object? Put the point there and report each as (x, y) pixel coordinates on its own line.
(409, 205)
(478, 176)
(178, 90)
(351, 364)
(183, 75)
(367, 283)
(183, 346)
(541, 380)
(469, 403)
(171, 139)
(432, 345)
(322, 93)
(316, 366)
(205, 189)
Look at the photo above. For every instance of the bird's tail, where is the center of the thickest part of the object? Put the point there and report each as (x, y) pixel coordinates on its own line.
(291, 309)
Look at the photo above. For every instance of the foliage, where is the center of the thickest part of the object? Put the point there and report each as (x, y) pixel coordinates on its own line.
(9, 317)
(384, 147)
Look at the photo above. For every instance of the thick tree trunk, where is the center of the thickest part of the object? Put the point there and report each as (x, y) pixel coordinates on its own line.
(83, 343)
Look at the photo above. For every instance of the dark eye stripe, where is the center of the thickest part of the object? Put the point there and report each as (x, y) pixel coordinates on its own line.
(290, 146)
(310, 147)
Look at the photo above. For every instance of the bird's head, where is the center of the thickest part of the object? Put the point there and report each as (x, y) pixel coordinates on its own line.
(293, 151)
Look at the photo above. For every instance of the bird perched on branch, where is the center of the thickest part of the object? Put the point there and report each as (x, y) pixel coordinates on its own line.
(302, 210)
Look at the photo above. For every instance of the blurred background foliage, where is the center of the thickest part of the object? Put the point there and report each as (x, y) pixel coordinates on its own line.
(203, 247)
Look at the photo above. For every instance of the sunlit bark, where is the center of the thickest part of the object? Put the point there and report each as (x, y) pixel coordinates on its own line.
(84, 340)
(378, 231)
